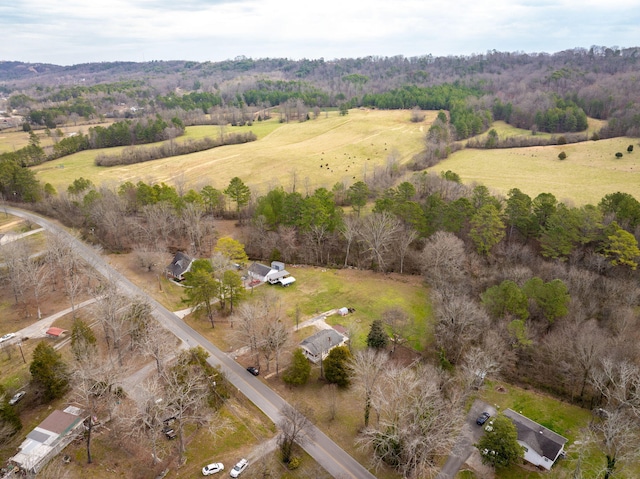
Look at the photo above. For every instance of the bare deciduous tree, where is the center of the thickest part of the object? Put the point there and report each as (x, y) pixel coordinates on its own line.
(378, 231)
(399, 325)
(350, 230)
(186, 392)
(16, 255)
(367, 366)
(443, 259)
(36, 275)
(618, 425)
(295, 427)
(460, 323)
(416, 425)
(405, 239)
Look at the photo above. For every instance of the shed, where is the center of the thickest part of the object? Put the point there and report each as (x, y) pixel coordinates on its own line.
(54, 332)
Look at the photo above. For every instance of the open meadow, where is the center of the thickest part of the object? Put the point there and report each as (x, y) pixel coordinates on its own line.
(333, 148)
(590, 171)
(317, 152)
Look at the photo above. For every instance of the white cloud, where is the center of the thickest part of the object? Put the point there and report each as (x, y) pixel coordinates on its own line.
(76, 31)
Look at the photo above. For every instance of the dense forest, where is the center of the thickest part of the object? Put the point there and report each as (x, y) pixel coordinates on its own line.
(541, 292)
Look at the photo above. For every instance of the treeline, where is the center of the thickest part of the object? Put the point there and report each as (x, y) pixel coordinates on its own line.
(563, 116)
(124, 133)
(54, 116)
(599, 82)
(131, 155)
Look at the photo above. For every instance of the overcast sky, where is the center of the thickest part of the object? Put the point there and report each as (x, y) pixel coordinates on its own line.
(67, 32)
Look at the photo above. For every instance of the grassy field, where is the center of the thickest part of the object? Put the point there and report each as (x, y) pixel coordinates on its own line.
(348, 147)
(590, 171)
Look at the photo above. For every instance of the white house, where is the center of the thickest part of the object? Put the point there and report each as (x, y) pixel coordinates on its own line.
(274, 274)
(320, 344)
(542, 446)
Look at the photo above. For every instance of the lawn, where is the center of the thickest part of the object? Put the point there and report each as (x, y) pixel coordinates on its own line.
(348, 148)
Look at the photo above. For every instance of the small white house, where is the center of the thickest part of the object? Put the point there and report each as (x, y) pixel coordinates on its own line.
(542, 446)
(320, 344)
(275, 274)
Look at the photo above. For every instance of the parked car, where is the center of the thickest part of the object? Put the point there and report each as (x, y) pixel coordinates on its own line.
(483, 418)
(17, 397)
(253, 370)
(238, 468)
(212, 468)
(7, 337)
(169, 432)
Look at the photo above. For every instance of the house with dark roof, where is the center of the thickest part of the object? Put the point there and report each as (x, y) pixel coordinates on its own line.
(260, 272)
(320, 344)
(542, 446)
(180, 265)
(49, 438)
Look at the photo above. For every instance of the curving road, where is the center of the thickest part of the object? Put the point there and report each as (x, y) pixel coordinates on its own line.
(318, 445)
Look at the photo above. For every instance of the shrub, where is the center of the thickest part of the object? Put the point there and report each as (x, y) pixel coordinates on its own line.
(629, 148)
(618, 155)
(562, 156)
(294, 463)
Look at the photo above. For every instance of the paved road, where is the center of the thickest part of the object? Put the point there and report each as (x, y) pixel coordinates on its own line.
(319, 446)
(469, 435)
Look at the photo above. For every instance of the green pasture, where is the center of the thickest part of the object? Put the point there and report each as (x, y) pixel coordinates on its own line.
(352, 146)
(590, 171)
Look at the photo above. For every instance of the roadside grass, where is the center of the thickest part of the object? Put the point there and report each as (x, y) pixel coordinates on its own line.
(590, 171)
(34, 244)
(351, 145)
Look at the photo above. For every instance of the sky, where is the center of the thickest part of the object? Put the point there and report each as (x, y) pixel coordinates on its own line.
(69, 32)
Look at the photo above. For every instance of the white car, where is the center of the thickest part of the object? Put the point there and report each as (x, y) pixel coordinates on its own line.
(7, 337)
(238, 468)
(212, 468)
(17, 396)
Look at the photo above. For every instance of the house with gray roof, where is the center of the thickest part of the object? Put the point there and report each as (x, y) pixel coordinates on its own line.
(320, 344)
(542, 446)
(180, 265)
